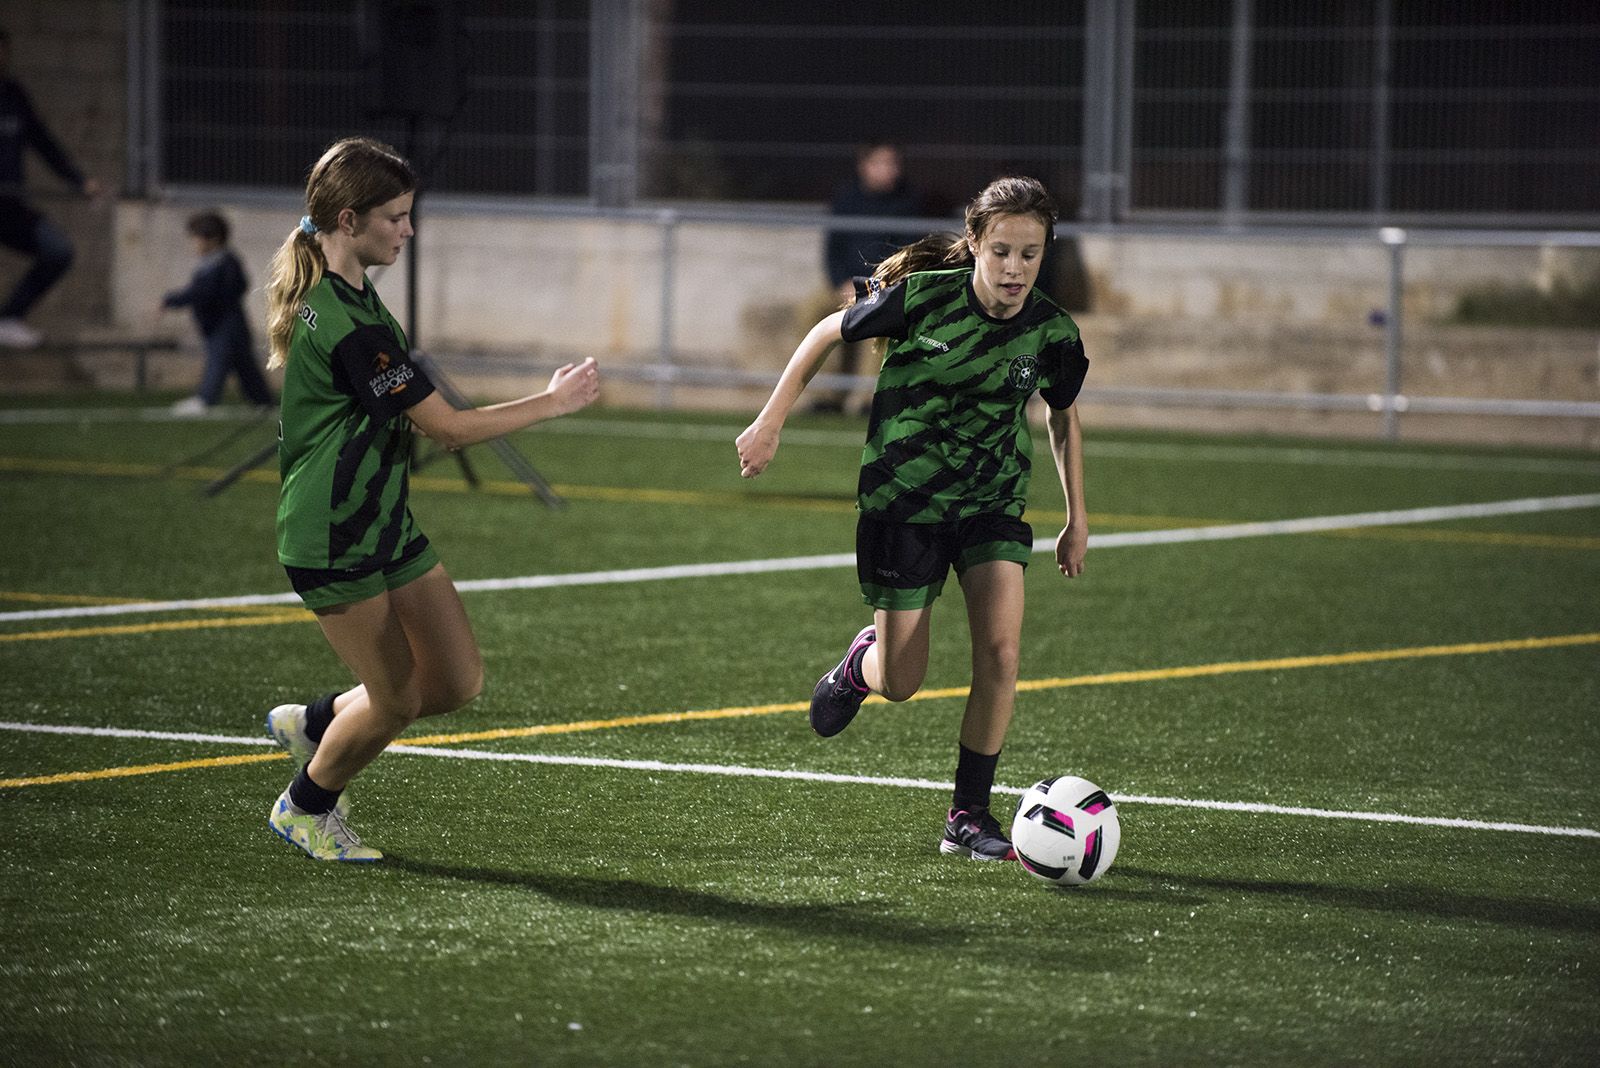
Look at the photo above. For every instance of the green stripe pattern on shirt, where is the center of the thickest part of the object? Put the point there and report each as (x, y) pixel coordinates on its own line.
(343, 502)
(949, 435)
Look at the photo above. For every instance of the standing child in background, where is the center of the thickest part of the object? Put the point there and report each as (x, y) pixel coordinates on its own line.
(944, 476)
(346, 537)
(215, 294)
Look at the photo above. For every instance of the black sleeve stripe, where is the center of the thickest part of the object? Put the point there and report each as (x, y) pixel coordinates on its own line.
(377, 370)
(1066, 378)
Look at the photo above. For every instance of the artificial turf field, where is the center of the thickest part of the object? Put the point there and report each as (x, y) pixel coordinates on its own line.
(595, 863)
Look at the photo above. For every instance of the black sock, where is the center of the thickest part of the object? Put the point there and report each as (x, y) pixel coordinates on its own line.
(974, 779)
(319, 714)
(307, 796)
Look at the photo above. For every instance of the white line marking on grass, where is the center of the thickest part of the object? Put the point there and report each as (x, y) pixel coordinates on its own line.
(124, 732)
(70, 416)
(1307, 525)
(1322, 523)
(746, 772)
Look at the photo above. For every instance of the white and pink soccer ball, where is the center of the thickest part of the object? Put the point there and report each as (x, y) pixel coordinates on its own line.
(1066, 830)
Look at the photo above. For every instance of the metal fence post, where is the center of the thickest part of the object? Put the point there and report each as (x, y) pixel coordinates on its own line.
(669, 255)
(1382, 76)
(1107, 109)
(1236, 148)
(1393, 402)
(142, 175)
(614, 41)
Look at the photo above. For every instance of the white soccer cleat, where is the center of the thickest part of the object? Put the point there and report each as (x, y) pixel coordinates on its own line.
(287, 726)
(322, 837)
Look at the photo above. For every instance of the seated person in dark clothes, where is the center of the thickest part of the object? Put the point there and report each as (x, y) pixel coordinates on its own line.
(878, 189)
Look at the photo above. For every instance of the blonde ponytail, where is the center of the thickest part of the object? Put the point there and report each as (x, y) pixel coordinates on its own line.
(296, 269)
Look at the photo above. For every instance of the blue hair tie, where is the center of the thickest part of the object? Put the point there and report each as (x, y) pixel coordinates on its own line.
(306, 225)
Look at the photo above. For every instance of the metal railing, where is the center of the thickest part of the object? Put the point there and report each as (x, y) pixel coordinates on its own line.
(1388, 399)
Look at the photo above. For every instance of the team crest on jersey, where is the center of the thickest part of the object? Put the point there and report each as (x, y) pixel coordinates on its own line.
(309, 316)
(1024, 372)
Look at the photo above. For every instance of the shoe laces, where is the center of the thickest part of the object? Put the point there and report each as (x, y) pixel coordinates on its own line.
(334, 826)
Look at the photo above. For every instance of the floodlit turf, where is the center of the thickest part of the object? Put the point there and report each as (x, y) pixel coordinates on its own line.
(563, 913)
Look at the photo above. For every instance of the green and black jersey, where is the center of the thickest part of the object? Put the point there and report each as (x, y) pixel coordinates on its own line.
(344, 443)
(949, 433)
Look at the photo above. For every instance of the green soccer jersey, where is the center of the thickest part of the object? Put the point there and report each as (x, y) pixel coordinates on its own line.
(344, 442)
(949, 435)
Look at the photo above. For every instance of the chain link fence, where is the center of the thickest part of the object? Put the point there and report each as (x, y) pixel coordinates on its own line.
(1207, 110)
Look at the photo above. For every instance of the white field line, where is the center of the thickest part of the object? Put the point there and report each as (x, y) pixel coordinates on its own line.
(1306, 525)
(741, 771)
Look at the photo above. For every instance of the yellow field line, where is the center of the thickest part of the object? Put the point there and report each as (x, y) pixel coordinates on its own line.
(1031, 685)
(295, 616)
(64, 598)
(1290, 663)
(1025, 685)
(635, 495)
(27, 597)
(611, 724)
(141, 769)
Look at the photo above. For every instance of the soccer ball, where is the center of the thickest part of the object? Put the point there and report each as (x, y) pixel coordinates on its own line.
(1066, 830)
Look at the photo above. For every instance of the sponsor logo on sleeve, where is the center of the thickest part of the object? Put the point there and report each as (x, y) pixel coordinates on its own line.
(874, 287)
(308, 316)
(389, 379)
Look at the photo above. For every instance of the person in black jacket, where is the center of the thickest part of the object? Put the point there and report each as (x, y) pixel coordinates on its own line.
(878, 189)
(215, 294)
(22, 227)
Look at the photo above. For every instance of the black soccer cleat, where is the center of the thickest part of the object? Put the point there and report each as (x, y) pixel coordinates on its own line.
(975, 834)
(836, 700)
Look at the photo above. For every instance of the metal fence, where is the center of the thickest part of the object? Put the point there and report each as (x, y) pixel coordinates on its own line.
(1133, 110)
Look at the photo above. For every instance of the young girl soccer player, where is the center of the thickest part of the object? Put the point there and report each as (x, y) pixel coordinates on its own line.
(346, 537)
(944, 475)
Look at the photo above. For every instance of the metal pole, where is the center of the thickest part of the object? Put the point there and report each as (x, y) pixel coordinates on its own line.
(1236, 152)
(1382, 75)
(544, 103)
(1393, 402)
(1107, 109)
(669, 255)
(143, 22)
(614, 40)
(1099, 101)
(413, 253)
(1127, 24)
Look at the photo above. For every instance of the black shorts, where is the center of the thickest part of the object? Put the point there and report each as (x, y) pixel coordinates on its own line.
(320, 588)
(904, 565)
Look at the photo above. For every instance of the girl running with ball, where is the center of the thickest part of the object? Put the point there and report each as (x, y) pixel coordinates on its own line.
(944, 476)
(354, 554)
